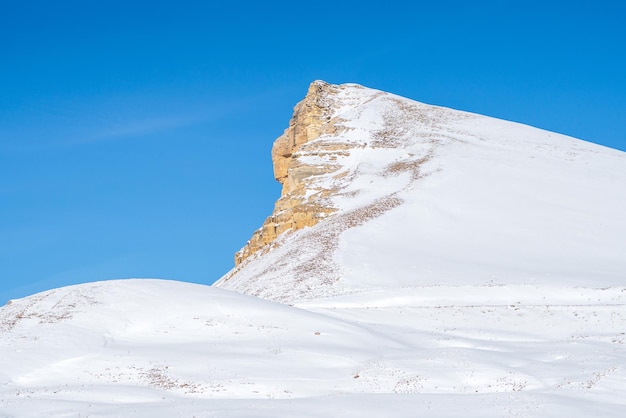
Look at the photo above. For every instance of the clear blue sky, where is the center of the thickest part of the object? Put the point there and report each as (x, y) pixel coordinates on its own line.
(135, 136)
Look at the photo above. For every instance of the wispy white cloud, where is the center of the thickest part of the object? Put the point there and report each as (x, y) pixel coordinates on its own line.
(138, 128)
(86, 130)
(53, 125)
(128, 123)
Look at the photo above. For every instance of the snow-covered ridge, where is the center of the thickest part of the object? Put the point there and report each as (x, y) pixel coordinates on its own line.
(187, 339)
(425, 195)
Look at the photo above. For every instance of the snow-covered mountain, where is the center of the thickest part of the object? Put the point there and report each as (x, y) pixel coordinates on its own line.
(421, 261)
(428, 196)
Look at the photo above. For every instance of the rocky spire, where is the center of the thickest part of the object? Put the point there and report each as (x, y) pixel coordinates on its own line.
(301, 202)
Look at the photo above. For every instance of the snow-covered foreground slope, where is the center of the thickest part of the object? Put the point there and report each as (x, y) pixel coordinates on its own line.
(151, 348)
(468, 267)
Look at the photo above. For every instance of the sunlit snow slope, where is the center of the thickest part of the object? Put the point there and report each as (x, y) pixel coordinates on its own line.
(472, 267)
(434, 196)
(150, 348)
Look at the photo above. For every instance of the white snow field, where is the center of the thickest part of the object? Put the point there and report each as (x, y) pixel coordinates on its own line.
(151, 348)
(474, 268)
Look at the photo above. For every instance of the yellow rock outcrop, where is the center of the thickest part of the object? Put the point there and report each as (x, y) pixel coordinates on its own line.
(301, 203)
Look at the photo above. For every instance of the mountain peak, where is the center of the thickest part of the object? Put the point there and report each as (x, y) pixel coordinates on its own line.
(458, 198)
(314, 159)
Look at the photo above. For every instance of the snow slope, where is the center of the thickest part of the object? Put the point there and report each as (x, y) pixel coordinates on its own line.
(151, 348)
(474, 267)
(434, 196)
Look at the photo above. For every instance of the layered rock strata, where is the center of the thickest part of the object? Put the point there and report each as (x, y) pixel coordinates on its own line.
(297, 162)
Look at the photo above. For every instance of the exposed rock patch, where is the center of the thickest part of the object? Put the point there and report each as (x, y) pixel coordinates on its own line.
(296, 163)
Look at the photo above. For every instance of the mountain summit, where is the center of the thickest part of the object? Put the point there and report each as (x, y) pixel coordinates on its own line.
(380, 191)
(420, 261)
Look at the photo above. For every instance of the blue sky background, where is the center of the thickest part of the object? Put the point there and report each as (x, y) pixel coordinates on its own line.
(135, 136)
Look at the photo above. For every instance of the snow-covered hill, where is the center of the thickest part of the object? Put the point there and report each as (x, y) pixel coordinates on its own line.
(150, 348)
(433, 196)
(468, 267)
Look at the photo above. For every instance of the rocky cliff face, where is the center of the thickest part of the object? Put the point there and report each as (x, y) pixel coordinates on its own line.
(347, 154)
(297, 162)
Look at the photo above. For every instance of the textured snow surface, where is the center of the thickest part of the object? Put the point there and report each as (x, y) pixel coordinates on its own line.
(475, 267)
(153, 348)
